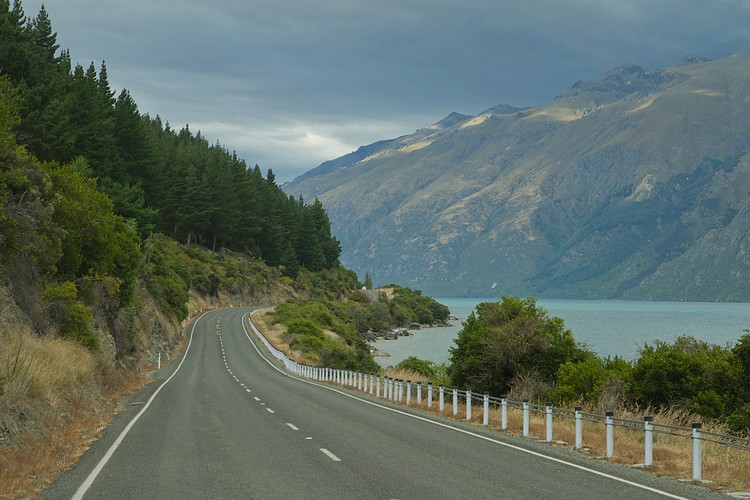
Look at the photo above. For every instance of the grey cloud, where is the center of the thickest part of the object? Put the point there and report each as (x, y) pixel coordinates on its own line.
(318, 68)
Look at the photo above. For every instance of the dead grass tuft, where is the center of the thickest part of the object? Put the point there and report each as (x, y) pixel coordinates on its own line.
(53, 404)
(406, 374)
(41, 367)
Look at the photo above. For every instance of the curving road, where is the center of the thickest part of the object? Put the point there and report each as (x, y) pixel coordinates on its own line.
(224, 422)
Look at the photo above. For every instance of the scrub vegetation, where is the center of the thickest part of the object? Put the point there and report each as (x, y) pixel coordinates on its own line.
(514, 347)
(327, 330)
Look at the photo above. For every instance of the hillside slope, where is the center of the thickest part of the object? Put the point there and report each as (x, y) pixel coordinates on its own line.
(633, 185)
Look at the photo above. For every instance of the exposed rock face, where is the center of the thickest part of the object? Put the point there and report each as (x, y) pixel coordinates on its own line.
(633, 185)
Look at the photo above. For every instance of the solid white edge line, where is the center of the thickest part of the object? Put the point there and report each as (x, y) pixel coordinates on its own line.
(330, 455)
(446, 426)
(97, 470)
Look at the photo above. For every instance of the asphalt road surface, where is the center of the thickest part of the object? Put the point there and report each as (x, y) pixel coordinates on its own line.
(224, 421)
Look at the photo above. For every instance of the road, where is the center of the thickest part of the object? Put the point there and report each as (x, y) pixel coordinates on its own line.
(224, 422)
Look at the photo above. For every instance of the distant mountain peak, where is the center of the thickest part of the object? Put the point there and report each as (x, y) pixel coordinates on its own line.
(690, 59)
(629, 185)
(451, 120)
(505, 109)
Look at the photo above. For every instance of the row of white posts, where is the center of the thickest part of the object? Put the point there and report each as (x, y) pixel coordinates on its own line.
(401, 391)
(397, 390)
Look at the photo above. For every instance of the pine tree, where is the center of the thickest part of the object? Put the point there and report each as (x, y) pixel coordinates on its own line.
(307, 243)
(45, 129)
(14, 49)
(329, 245)
(134, 152)
(43, 38)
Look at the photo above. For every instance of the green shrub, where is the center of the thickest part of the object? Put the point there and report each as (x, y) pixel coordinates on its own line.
(689, 372)
(423, 366)
(739, 420)
(502, 341)
(74, 318)
(583, 380)
(303, 326)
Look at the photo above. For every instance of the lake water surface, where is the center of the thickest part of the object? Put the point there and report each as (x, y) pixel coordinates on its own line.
(608, 327)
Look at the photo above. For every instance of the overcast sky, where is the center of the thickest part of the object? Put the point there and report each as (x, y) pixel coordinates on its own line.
(290, 84)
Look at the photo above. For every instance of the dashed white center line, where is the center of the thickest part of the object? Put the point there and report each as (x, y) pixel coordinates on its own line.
(330, 455)
(256, 398)
(248, 390)
(270, 410)
(292, 426)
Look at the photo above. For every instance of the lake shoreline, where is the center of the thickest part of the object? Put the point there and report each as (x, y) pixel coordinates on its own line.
(608, 327)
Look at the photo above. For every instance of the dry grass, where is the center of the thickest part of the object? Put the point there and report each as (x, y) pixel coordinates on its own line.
(40, 367)
(276, 335)
(52, 406)
(405, 374)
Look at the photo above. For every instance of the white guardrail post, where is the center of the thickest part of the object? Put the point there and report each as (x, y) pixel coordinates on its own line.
(429, 394)
(377, 387)
(525, 418)
(419, 394)
(468, 405)
(455, 402)
(548, 418)
(504, 413)
(486, 416)
(441, 397)
(408, 392)
(697, 474)
(610, 425)
(648, 440)
(579, 427)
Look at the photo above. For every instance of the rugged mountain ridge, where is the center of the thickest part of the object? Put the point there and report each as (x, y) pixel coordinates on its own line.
(632, 185)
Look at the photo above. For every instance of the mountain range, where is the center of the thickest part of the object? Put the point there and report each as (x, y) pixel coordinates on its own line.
(633, 185)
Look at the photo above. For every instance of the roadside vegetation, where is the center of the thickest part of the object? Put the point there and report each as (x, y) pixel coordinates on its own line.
(328, 330)
(513, 347)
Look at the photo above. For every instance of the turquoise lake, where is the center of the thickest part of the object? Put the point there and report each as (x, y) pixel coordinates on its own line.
(608, 327)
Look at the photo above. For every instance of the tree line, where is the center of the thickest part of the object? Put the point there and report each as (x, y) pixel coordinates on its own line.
(158, 178)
